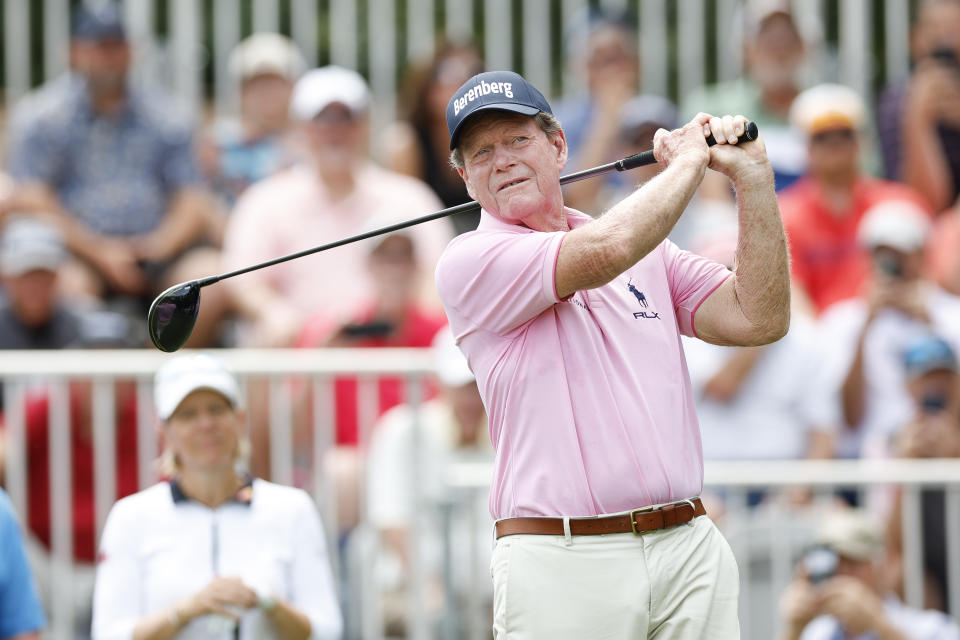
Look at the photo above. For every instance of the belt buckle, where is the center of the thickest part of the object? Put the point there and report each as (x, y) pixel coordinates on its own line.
(633, 522)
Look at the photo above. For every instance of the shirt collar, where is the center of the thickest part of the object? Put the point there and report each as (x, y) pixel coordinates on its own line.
(243, 496)
(490, 222)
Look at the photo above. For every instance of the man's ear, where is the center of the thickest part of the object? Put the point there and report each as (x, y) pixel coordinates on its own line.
(466, 182)
(559, 141)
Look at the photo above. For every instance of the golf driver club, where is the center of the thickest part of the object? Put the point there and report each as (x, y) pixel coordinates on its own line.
(174, 312)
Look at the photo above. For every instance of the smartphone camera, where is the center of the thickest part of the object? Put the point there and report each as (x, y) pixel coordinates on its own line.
(889, 265)
(820, 564)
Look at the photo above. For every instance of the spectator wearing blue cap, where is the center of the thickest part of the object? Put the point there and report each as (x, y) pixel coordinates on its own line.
(114, 163)
(930, 366)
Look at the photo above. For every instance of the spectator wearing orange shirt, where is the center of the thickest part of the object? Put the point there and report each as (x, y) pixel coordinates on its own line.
(822, 210)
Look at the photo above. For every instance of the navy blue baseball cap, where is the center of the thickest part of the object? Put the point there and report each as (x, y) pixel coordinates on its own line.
(493, 91)
(98, 23)
(928, 353)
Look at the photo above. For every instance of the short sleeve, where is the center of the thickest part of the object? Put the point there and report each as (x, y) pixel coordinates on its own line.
(497, 281)
(692, 279)
(117, 604)
(313, 590)
(20, 610)
(36, 151)
(178, 165)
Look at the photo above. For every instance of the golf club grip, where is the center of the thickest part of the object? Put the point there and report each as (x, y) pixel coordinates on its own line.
(642, 159)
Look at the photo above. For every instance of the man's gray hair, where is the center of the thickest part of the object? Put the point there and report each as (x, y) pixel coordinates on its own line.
(547, 122)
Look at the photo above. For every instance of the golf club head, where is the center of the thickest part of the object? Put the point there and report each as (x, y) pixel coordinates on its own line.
(173, 314)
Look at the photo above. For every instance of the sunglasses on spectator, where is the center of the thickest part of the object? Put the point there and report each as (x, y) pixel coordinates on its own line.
(833, 136)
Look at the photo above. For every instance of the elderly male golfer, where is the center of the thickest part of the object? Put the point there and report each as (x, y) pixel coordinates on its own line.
(572, 327)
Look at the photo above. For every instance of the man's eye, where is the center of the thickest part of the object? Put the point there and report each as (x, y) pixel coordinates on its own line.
(520, 139)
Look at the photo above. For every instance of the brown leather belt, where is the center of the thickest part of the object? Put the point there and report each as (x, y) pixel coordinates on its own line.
(637, 521)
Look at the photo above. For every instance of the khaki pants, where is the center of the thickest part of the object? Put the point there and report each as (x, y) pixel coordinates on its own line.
(680, 582)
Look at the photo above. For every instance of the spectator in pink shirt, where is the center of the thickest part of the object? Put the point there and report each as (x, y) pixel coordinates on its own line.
(572, 327)
(337, 193)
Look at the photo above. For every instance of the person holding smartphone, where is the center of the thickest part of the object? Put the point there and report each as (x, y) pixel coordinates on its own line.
(867, 335)
(846, 600)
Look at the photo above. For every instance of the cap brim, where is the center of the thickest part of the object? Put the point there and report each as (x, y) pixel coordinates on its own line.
(496, 106)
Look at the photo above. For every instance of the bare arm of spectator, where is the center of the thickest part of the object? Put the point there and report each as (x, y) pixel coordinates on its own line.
(933, 96)
(725, 384)
(886, 293)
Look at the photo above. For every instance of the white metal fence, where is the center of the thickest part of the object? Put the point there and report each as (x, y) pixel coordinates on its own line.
(683, 42)
(766, 540)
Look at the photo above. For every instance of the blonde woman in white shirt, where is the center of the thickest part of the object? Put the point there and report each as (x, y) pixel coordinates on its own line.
(213, 552)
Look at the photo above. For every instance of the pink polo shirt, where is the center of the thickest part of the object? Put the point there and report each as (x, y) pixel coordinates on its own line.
(589, 400)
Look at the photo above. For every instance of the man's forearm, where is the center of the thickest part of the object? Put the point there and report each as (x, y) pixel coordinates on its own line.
(762, 284)
(595, 254)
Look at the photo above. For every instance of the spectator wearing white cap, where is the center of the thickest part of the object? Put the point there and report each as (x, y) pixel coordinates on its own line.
(32, 315)
(865, 337)
(336, 193)
(840, 594)
(240, 151)
(212, 552)
(412, 454)
(821, 211)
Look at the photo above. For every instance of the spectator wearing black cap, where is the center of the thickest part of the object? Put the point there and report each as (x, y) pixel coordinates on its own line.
(930, 366)
(114, 163)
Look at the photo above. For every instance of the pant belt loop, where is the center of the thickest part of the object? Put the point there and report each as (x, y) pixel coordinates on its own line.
(694, 516)
(568, 539)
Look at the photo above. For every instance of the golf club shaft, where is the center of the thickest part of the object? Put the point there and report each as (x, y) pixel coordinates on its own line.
(624, 164)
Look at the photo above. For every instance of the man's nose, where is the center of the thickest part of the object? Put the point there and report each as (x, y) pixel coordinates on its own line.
(503, 158)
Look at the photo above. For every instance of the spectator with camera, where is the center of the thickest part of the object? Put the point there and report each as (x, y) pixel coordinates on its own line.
(867, 335)
(839, 593)
(919, 116)
(933, 382)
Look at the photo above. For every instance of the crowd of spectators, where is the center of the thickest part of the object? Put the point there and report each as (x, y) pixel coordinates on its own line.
(111, 193)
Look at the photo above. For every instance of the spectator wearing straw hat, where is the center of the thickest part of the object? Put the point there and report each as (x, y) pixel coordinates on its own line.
(238, 152)
(839, 591)
(822, 211)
